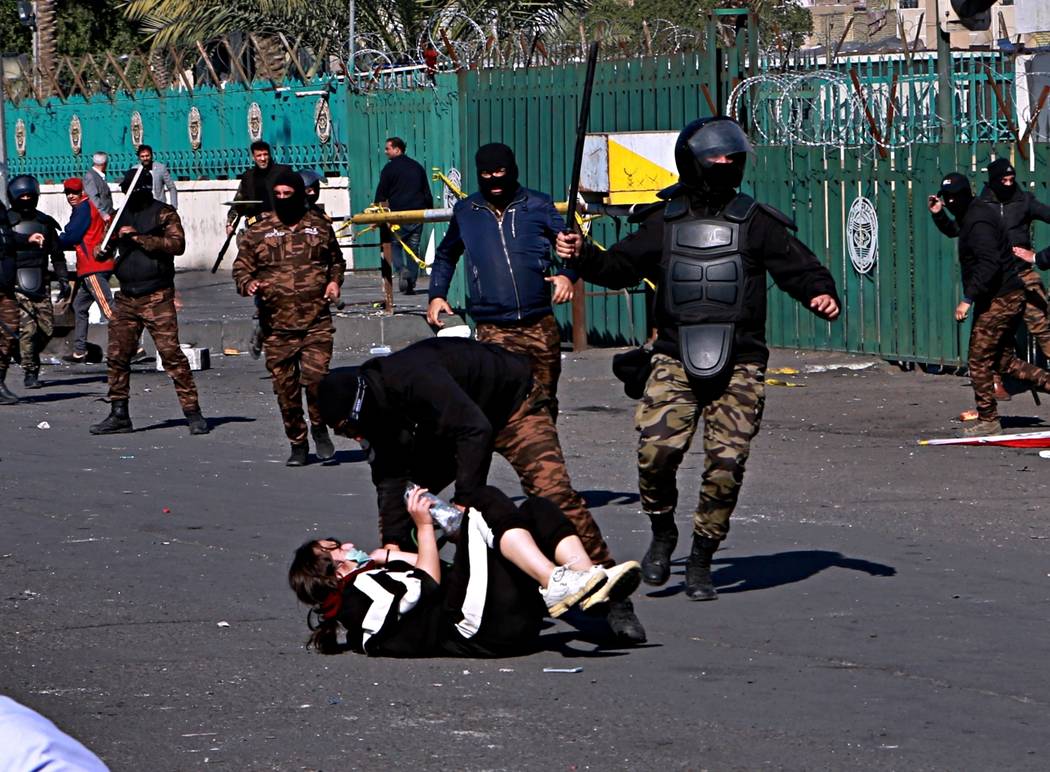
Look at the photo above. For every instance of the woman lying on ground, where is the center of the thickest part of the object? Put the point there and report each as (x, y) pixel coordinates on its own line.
(398, 604)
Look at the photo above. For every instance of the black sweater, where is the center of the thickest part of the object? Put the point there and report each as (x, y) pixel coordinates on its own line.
(404, 184)
(1017, 215)
(444, 398)
(770, 247)
(989, 267)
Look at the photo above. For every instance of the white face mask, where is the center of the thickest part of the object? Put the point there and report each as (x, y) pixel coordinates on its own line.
(358, 556)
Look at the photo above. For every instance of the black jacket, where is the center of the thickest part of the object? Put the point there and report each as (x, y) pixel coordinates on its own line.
(432, 411)
(770, 247)
(256, 185)
(989, 267)
(146, 261)
(1017, 216)
(404, 184)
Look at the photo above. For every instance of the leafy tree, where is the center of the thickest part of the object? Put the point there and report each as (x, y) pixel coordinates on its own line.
(81, 27)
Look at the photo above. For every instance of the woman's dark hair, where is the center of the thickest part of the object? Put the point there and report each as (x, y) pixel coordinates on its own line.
(312, 578)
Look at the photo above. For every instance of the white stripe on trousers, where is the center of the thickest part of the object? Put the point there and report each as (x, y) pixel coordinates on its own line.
(479, 542)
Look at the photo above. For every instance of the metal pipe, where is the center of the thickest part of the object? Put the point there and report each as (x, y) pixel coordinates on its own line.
(407, 216)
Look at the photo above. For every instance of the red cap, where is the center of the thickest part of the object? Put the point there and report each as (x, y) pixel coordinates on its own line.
(73, 185)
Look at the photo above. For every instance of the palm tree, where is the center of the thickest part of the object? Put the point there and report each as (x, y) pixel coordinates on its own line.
(46, 49)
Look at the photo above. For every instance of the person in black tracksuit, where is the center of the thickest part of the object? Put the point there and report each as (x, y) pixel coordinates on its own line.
(708, 249)
(435, 412)
(1017, 210)
(995, 292)
(485, 604)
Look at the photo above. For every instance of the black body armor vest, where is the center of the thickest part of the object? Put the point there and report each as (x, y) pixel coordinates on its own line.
(704, 281)
(30, 261)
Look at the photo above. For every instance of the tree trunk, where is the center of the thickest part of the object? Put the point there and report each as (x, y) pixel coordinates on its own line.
(269, 58)
(46, 53)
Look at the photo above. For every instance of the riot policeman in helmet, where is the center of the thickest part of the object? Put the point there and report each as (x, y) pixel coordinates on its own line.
(708, 248)
(312, 180)
(32, 280)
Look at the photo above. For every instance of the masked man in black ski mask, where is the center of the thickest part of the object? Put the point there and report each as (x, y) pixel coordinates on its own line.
(148, 237)
(1017, 210)
(992, 287)
(708, 249)
(291, 263)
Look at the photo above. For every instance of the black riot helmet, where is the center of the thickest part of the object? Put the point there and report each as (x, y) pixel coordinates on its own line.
(312, 183)
(700, 143)
(23, 192)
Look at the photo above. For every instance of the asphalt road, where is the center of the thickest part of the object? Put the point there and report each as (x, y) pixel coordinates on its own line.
(883, 606)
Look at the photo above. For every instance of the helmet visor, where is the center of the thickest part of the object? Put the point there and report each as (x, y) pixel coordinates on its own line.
(719, 138)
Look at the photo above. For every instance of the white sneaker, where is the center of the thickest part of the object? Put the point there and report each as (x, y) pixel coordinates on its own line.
(566, 587)
(623, 579)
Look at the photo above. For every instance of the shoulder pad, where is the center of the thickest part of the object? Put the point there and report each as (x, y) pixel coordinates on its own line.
(641, 212)
(779, 216)
(676, 207)
(669, 192)
(740, 208)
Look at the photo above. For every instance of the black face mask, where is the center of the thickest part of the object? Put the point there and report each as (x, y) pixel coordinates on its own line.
(1002, 191)
(958, 203)
(140, 198)
(490, 158)
(290, 210)
(720, 179)
(25, 205)
(312, 194)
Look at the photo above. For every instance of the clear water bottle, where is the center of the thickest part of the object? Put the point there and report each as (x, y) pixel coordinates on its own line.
(446, 516)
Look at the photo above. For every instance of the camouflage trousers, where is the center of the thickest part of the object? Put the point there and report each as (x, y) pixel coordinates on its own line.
(540, 341)
(666, 419)
(992, 351)
(156, 313)
(297, 361)
(530, 444)
(1036, 309)
(9, 315)
(36, 325)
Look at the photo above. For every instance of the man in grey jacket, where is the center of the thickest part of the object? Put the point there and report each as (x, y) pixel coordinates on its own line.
(97, 188)
(163, 185)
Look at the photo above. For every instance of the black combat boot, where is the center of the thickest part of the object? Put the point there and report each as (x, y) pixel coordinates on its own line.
(198, 423)
(656, 564)
(698, 584)
(298, 457)
(32, 379)
(624, 624)
(322, 443)
(255, 345)
(6, 396)
(118, 421)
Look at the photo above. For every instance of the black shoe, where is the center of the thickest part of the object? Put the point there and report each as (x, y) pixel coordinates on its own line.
(255, 345)
(403, 284)
(322, 443)
(698, 584)
(75, 358)
(118, 421)
(624, 624)
(6, 396)
(298, 457)
(656, 563)
(32, 380)
(198, 423)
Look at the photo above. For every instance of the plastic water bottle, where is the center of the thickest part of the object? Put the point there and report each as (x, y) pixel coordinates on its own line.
(445, 516)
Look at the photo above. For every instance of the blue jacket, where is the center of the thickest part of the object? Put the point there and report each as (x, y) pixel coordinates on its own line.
(508, 258)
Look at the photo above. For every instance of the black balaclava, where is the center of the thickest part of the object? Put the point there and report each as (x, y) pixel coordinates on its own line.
(141, 195)
(956, 194)
(489, 158)
(339, 397)
(699, 143)
(998, 169)
(290, 210)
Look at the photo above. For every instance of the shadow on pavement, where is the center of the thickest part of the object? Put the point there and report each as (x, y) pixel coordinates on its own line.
(213, 422)
(52, 396)
(1021, 421)
(348, 457)
(761, 572)
(602, 498)
(76, 381)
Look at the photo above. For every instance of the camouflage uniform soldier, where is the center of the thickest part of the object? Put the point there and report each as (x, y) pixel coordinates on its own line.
(992, 285)
(290, 259)
(32, 287)
(709, 249)
(149, 235)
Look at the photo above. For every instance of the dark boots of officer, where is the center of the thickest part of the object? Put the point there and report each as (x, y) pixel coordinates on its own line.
(197, 422)
(322, 443)
(32, 379)
(118, 421)
(299, 455)
(7, 397)
(698, 583)
(656, 564)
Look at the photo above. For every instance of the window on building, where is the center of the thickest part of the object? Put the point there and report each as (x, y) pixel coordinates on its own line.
(905, 5)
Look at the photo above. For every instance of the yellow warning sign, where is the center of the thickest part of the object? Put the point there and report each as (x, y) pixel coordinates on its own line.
(640, 165)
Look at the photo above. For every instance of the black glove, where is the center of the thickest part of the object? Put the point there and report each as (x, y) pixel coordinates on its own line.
(63, 289)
